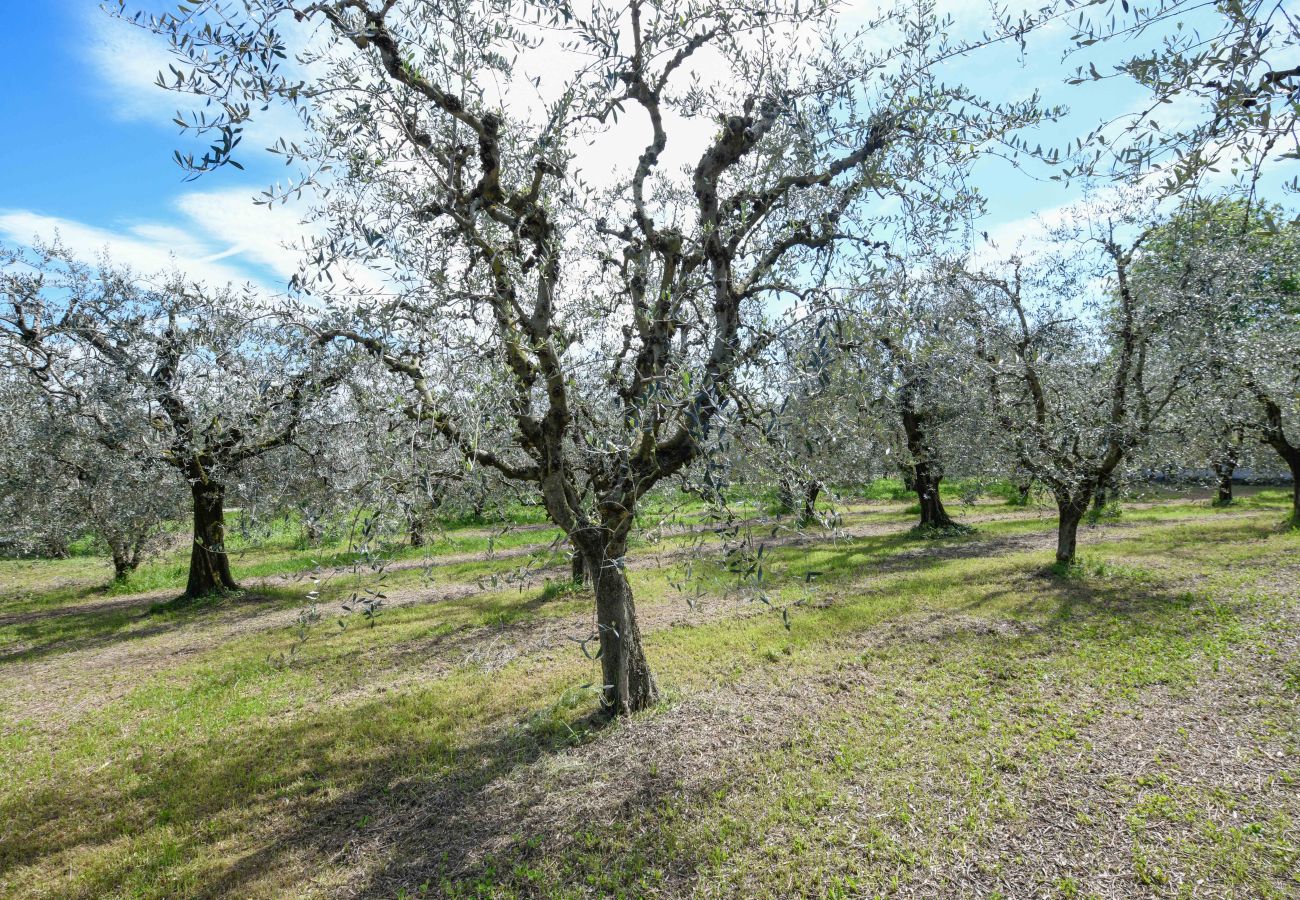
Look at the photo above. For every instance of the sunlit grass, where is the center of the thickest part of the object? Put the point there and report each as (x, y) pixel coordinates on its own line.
(192, 776)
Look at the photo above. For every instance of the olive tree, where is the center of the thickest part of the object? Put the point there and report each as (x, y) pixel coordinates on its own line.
(588, 337)
(216, 374)
(1066, 344)
(914, 368)
(91, 481)
(1245, 260)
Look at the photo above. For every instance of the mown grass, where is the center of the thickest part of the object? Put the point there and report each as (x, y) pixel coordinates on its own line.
(930, 694)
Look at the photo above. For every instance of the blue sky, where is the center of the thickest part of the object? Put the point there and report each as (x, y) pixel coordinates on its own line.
(88, 144)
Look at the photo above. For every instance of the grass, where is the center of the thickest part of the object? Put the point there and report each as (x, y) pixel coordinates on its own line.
(934, 716)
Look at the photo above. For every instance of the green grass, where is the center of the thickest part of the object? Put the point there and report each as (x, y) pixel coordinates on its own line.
(922, 703)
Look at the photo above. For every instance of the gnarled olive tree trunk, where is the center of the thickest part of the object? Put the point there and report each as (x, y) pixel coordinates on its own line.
(1071, 509)
(927, 472)
(126, 552)
(209, 563)
(415, 528)
(801, 496)
(628, 686)
(927, 479)
(1224, 467)
(812, 490)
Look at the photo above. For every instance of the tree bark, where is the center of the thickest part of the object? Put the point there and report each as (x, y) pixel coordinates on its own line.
(1293, 463)
(909, 477)
(927, 473)
(1275, 436)
(1070, 512)
(785, 496)
(126, 555)
(1224, 467)
(122, 566)
(628, 686)
(1224, 471)
(812, 490)
(579, 568)
(415, 529)
(209, 564)
(927, 482)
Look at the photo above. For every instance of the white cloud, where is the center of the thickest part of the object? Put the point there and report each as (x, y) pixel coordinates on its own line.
(218, 237)
(261, 234)
(127, 60)
(145, 254)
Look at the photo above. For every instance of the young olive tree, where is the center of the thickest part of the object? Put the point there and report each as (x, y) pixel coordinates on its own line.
(906, 315)
(588, 339)
(91, 468)
(1075, 387)
(217, 375)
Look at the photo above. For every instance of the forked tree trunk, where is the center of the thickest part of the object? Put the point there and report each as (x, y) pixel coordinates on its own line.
(1070, 513)
(579, 568)
(127, 553)
(209, 564)
(628, 686)
(1224, 468)
(812, 490)
(123, 564)
(927, 482)
(415, 529)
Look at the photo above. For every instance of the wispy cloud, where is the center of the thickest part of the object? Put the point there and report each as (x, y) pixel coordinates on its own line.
(127, 60)
(218, 236)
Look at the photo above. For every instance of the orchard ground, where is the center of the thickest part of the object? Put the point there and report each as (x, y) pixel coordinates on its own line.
(941, 717)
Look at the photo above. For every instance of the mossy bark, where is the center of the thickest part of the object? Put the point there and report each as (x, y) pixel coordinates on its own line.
(209, 562)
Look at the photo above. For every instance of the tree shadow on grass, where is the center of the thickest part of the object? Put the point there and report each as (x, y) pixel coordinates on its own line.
(475, 829)
(436, 784)
(99, 626)
(384, 798)
(477, 821)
